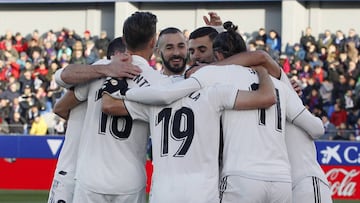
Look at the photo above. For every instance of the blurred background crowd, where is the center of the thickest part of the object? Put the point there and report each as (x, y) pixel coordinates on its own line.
(325, 66)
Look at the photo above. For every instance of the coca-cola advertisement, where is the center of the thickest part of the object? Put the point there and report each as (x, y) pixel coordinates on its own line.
(341, 164)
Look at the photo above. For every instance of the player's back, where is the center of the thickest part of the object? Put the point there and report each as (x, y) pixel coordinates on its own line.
(254, 140)
(185, 139)
(115, 146)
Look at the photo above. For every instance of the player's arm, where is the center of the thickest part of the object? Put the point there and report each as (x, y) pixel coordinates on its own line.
(264, 97)
(254, 58)
(63, 107)
(163, 94)
(112, 106)
(297, 114)
(80, 73)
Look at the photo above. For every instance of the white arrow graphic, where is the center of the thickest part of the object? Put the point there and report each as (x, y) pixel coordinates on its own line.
(54, 145)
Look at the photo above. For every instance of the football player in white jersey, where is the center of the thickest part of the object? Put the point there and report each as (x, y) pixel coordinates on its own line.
(63, 184)
(185, 136)
(309, 183)
(261, 175)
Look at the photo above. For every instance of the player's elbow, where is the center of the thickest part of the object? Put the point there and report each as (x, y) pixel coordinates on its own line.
(317, 130)
(60, 111)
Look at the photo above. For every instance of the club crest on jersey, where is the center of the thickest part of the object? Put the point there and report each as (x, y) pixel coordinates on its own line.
(113, 82)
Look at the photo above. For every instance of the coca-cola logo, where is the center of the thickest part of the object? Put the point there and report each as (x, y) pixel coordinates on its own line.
(341, 181)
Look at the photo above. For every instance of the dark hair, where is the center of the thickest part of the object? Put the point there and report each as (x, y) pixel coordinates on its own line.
(138, 30)
(204, 31)
(229, 42)
(116, 45)
(169, 30)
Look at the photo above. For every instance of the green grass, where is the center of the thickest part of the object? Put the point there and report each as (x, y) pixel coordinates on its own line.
(40, 196)
(23, 196)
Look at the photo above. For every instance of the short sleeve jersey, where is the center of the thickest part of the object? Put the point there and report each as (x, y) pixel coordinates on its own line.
(185, 143)
(113, 151)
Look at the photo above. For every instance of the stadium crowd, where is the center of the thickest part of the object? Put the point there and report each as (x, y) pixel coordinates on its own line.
(326, 67)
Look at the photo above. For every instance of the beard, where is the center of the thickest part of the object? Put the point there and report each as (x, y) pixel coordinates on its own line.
(173, 69)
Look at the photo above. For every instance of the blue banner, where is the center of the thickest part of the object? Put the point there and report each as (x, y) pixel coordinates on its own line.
(25, 146)
(343, 153)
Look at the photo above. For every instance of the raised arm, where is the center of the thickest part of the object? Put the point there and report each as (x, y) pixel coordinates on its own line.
(264, 97)
(254, 58)
(63, 107)
(119, 67)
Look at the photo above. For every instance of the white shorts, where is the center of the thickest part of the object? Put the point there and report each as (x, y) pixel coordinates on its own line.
(83, 195)
(244, 190)
(62, 188)
(311, 189)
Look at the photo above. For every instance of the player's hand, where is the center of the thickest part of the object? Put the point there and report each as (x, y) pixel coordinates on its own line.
(114, 87)
(214, 20)
(121, 67)
(193, 69)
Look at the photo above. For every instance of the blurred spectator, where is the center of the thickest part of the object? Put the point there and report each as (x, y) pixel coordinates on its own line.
(91, 53)
(9, 52)
(325, 40)
(102, 43)
(38, 126)
(352, 51)
(11, 92)
(342, 132)
(33, 45)
(340, 41)
(353, 37)
(340, 88)
(330, 129)
(260, 38)
(307, 38)
(273, 41)
(9, 68)
(72, 38)
(17, 124)
(78, 57)
(64, 53)
(50, 38)
(26, 81)
(339, 115)
(28, 99)
(87, 37)
(325, 91)
(4, 126)
(313, 100)
(22, 60)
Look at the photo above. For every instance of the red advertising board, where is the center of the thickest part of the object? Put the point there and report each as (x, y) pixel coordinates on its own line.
(344, 181)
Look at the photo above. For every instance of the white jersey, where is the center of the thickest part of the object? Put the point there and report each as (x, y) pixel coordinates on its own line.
(185, 143)
(113, 154)
(302, 151)
(68, 155)
(254, 140)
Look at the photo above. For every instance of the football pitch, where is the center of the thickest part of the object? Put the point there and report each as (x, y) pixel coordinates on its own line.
(40, 196)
